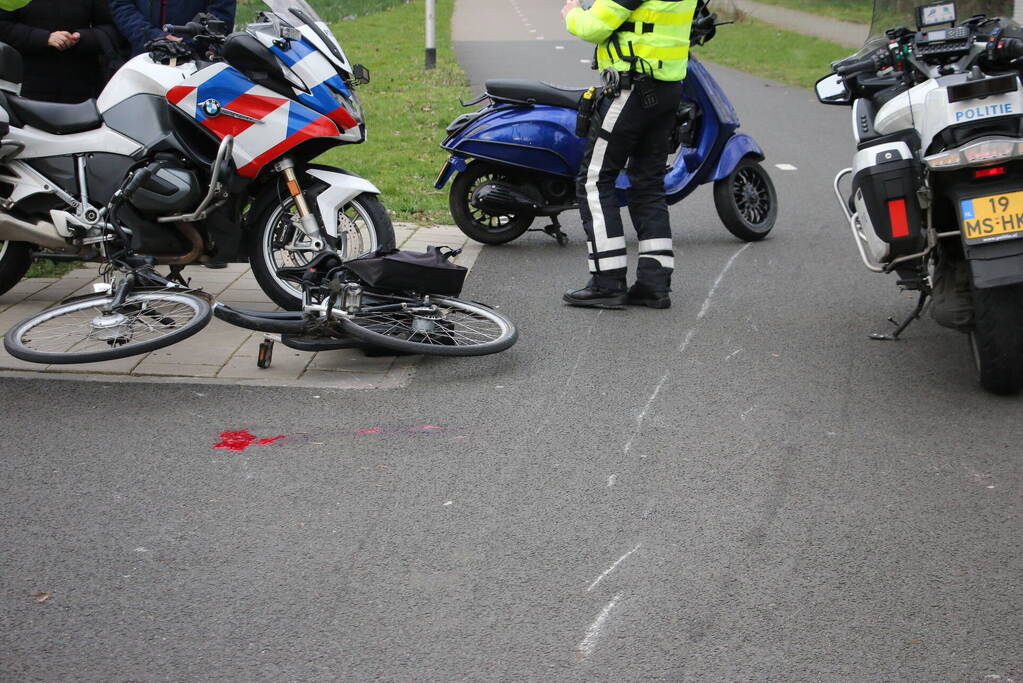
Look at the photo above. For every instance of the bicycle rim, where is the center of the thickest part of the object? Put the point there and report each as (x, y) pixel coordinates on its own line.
(442, 327)
(80, 332)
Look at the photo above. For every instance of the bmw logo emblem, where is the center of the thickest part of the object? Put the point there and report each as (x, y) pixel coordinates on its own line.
(211, 107)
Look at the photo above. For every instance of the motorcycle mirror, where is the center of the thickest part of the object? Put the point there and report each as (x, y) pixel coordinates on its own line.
(832, 90)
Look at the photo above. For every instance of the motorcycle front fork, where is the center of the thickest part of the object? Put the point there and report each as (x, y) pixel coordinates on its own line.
(306, 219)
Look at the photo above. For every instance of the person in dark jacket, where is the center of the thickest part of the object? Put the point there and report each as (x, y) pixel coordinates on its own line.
(141, 21)
(61, 42)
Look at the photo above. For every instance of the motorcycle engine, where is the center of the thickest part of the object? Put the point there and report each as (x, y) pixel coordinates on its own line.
(170, 189)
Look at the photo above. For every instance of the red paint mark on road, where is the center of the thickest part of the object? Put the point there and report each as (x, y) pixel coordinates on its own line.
(242, 439)
(431, 427)
(369, 431)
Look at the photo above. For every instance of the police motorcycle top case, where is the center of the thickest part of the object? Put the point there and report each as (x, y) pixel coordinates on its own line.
(936, 184)
(224, 138)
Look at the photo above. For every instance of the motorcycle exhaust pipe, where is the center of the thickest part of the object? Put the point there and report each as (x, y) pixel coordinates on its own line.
(195, 242)
(42, 233)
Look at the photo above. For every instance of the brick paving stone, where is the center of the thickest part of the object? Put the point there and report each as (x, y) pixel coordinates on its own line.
(152, 367)
(350, 360)
(120, 366)
(286, 364)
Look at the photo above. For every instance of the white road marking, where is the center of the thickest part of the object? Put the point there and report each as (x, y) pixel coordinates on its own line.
(612, 567)
(559, 47)
(578, 359)
(785, 167)
(733, 354)
(584, 61)
(448, 503)
(611, 480)
(589, 642)
(682, 347)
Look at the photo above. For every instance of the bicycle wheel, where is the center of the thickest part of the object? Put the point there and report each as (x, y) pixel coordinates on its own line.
(78, 331)
(436, 325)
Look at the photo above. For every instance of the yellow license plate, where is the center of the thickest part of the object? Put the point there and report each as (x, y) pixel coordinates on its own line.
(994, 218)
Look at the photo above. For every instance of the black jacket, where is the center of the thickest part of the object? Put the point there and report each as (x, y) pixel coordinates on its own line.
(71, 75)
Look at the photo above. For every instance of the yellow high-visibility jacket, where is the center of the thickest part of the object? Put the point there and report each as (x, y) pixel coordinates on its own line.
(659, 33)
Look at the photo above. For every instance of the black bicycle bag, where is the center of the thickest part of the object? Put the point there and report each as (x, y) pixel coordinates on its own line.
(423, 272)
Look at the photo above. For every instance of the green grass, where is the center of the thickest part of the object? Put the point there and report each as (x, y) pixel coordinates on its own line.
(407, 108)
(765, 50)
(44, 268)
(858, 11)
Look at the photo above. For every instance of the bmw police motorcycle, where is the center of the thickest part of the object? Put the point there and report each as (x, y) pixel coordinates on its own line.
(935, 192)
(194, 153)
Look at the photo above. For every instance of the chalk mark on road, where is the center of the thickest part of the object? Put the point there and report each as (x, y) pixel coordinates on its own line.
(571, 373)
(612, 567)
(682, 347)
(589, 642)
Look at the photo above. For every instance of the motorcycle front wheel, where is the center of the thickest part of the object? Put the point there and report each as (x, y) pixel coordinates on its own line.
(15, 259)
(478, 224)
(81, 331)
(746, 201)
(997, 338)
(276, 241)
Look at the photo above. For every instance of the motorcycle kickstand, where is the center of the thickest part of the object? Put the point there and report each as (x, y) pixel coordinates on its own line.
(901, 327)
(555, 231)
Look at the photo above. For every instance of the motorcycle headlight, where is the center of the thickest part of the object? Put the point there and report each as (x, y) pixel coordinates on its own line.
(351, 103)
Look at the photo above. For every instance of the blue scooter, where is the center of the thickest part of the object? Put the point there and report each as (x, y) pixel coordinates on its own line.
(517, 158)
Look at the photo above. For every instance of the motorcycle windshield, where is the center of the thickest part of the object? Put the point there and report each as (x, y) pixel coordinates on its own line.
(304, 12)
(890, 14)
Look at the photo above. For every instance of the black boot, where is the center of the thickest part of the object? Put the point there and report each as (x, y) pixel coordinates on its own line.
(596, 297)
(641, 295)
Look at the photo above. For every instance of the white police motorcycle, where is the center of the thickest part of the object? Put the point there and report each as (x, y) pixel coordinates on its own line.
(936, 192)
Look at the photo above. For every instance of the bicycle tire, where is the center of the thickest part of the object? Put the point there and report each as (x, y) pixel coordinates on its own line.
(450, 337)
(198, 310)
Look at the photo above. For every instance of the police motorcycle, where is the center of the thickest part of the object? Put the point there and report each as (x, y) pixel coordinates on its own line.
(187, 159)
(517, 157)
(936, 192)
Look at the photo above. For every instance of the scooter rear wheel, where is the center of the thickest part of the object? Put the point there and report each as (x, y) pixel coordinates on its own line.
(746, 201)
(476, 223)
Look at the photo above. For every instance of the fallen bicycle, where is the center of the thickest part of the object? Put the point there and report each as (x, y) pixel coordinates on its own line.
(363, 303)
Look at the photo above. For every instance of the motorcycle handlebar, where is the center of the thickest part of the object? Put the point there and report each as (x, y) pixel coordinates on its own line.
(191, 29)
(1010, 48)
(858, 66)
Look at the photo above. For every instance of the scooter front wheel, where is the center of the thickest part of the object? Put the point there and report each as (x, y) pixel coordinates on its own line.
(478, 224)
(746, 201)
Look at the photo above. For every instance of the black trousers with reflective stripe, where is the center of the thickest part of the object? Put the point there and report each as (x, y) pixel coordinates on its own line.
(624, 135)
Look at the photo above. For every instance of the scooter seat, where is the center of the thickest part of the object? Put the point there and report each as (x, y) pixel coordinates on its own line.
(533, 92)
(56, 117)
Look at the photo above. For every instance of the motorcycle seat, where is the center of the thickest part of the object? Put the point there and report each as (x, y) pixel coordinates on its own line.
(56, 117)
(533, 92)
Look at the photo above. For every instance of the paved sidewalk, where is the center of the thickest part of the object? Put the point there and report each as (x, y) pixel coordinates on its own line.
(222, 353)
(842, 32)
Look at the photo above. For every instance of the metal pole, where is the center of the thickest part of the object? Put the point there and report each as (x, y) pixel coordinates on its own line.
(431, 34)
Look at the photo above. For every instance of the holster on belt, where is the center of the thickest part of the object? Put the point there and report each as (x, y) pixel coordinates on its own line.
(587, 108)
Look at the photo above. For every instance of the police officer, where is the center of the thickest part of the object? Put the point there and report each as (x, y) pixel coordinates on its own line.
(642, 49)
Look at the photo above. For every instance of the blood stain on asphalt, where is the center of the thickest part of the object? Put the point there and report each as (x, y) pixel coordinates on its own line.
(242, 439)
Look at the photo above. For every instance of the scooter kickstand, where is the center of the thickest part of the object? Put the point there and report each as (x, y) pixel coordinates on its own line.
(900, 327)
(555, 231)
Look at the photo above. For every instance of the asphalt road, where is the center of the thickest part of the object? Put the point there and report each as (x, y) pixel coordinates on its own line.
(743, 487)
